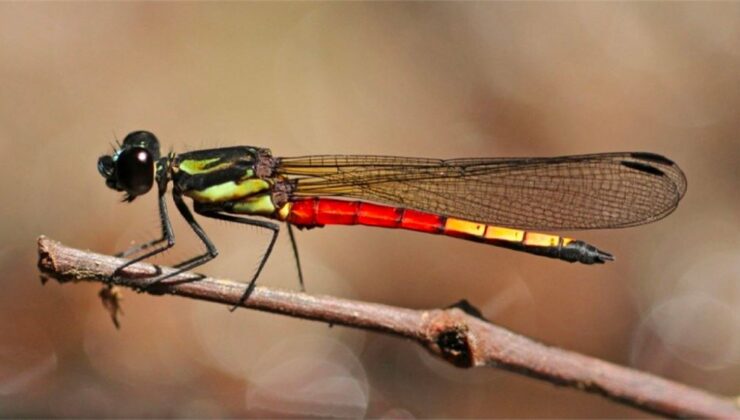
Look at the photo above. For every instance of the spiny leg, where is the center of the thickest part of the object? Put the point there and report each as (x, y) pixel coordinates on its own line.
(211, 251)
(189, 264)
(297, 259)
(275, 228)
(167, 235)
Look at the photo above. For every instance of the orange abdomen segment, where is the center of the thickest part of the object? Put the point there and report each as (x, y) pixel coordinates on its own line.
(316, 212)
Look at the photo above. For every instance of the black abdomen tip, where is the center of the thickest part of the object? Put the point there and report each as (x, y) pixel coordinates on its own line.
(652, 157)
(639, 166)
(579, 251)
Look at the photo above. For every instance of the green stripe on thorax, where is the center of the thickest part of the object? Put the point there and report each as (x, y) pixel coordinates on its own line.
(256, 205)
(229, 191)
(202, 166)
(225, 179)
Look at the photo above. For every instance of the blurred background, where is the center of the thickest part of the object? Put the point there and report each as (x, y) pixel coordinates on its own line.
(420, 79)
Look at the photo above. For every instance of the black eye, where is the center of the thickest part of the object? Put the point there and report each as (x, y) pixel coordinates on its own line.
(143, 139)
(135, 170)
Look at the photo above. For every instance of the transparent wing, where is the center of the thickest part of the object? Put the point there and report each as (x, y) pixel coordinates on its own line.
(595, 191)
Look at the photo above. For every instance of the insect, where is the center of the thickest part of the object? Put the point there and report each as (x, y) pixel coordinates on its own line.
(497, 201)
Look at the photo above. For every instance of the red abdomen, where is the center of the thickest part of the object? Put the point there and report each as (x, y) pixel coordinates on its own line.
(316, 212)
(313, 212)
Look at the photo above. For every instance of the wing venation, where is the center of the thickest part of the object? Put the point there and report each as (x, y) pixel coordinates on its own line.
(596, 191)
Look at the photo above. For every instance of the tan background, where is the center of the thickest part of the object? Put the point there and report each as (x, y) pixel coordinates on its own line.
(425, 79)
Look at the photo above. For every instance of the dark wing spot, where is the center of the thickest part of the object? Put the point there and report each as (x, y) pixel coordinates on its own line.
(652, 157)
(638, 166)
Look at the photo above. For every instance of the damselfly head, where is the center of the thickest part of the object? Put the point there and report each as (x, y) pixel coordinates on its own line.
(131, 168)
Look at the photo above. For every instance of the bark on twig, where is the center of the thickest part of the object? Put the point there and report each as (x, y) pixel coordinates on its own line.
(456, 334)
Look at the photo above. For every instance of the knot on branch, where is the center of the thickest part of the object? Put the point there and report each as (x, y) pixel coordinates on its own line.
(454, 346)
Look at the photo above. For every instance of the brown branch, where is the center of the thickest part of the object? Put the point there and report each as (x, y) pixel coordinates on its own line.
(456, 334)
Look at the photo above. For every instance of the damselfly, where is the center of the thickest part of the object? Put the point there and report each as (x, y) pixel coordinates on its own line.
(496, 201)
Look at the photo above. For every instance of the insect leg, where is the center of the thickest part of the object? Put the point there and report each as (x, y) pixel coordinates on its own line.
(297, 259)
(274, 227)
(211, 251)
(167, 235)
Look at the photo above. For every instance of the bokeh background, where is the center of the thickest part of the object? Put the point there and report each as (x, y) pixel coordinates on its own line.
(420, 79)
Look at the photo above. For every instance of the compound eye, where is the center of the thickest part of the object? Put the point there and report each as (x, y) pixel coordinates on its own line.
(135, 170)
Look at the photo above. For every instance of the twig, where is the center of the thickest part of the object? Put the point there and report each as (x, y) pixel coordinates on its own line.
(457, 334)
